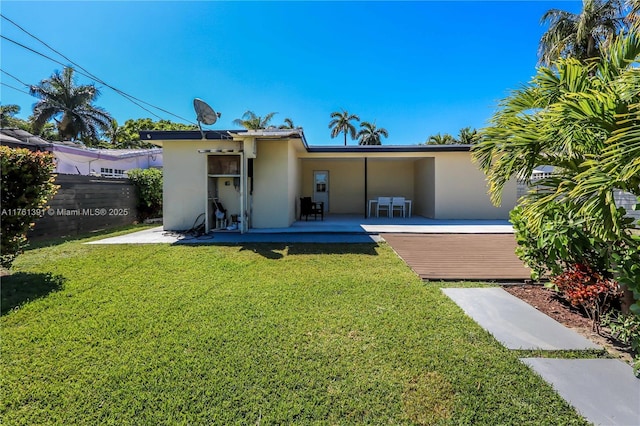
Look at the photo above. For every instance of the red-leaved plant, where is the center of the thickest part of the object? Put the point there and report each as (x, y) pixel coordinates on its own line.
(586, 288)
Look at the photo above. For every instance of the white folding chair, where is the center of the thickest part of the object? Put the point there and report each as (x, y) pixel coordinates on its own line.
(384, 203)
(398, 204)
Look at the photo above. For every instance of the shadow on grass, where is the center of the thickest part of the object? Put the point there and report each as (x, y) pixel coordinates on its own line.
(274, 250)
(37, 243)
(22, 287)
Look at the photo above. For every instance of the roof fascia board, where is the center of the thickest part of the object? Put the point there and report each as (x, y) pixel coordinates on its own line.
(387, 149)
(100, 154)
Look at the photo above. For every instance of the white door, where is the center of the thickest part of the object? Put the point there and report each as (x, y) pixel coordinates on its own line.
(321, 187)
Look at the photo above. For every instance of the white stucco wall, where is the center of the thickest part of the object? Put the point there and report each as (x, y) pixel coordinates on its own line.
(69, 163)
(424, 188)
(346, 183)
(185, 181)
(461, 190)
(293, 180)
(272, 206)
(392, 177)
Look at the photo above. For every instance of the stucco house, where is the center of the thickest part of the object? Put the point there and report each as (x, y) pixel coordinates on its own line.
(76, 159)
(259, 177)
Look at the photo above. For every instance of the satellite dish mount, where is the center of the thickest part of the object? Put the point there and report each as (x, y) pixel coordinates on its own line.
(204, 114)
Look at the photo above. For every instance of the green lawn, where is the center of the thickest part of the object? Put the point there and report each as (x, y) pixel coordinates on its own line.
(257, 334)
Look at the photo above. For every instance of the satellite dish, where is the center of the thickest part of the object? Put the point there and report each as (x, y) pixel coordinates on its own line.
(204, 114)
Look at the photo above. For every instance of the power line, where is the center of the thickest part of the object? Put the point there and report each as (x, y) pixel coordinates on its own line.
(15, 88)
(79, 72)
(14, 77)
(32, 50)
(131, 98)
(84, 74)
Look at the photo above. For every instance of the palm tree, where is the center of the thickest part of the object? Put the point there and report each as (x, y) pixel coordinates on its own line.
(369, 134)
(8, 119)
(251, 121)
(341, 123)
(288, 124)
(581, 35)
(468, 136)
(582, 118)
(114, 133)
(439, 139)
(70, 106)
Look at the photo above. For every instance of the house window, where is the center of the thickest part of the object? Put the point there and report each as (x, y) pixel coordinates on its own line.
(223, 164)
(109, 172)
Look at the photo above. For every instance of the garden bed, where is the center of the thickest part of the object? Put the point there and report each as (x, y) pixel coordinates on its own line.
(552, 304)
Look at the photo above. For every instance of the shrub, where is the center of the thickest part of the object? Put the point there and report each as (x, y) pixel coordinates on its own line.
(583, 287)
(626, 328)
(27, 186)
(148, 183)
(560, 242)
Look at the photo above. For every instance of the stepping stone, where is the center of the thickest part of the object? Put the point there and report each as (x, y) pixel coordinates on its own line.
(604, 391)
(515, 323)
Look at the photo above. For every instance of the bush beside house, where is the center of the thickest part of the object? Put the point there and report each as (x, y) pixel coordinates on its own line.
(148, 183)
(27, 186)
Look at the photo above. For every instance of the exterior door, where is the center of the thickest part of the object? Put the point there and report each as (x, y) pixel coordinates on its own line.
(321, 187)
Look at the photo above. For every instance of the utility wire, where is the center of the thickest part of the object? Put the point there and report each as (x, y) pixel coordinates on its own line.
(81, 73)
(15, 88)
(88, 73)
(32, 50)
(14, 77)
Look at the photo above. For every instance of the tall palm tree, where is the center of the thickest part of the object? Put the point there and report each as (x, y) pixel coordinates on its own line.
(70, 106)
(582, 118)
(251, 121)
(369, 134)
(439, 139)
(468, 136)
(114, 132)
(341, 123)
(580, 35)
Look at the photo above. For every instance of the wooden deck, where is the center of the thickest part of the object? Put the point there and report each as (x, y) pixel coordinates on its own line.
(460, 256)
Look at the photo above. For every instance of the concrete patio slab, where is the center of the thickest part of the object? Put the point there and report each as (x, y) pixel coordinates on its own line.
(604, 391)
(515, 323)
(334, 229)
(159, 236)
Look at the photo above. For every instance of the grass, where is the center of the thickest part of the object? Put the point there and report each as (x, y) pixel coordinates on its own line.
(256, 334)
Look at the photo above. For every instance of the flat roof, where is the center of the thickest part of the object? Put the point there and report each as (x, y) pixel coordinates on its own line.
(166, 135)
(170, 135)
(388, 148)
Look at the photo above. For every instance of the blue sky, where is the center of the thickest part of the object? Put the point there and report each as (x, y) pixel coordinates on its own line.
(415, 68)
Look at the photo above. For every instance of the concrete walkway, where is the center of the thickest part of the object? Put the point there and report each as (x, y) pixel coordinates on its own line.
(603, 391)
(515, 323)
